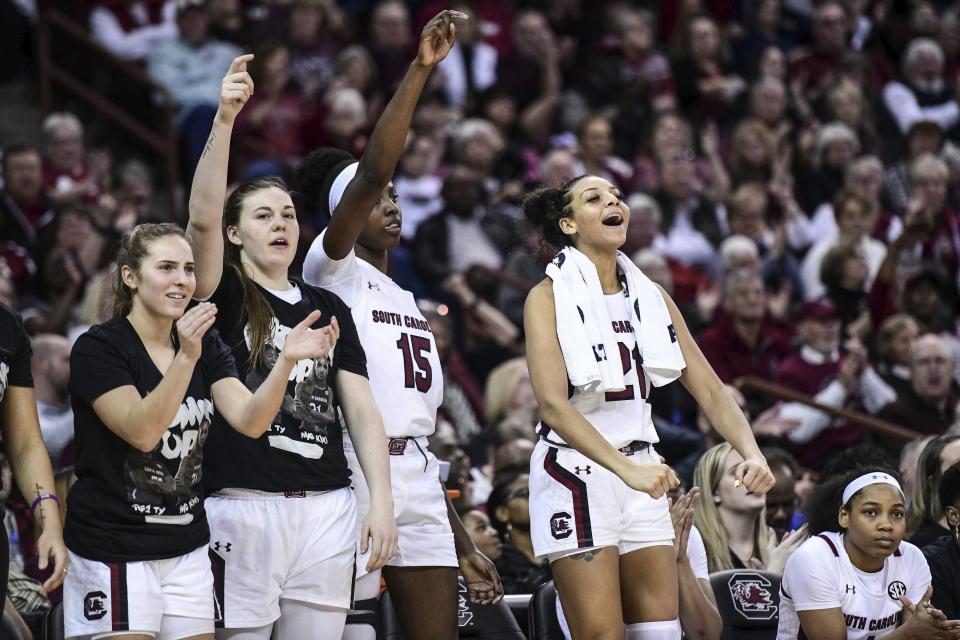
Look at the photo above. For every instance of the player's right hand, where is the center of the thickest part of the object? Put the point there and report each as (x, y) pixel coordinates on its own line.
(192, 326)
(654, 479)
(379, 534)
(235, 89)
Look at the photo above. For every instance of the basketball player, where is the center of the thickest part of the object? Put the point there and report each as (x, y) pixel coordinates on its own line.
(598, 501)
(144, 386)
(283, 518)
(857, 578)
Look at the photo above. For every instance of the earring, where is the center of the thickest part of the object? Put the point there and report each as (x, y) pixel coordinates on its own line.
(956, 532)
(716, 500)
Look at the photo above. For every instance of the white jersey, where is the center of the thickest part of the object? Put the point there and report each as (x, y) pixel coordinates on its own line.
(622, 416)
(402, 359)
(819, 575)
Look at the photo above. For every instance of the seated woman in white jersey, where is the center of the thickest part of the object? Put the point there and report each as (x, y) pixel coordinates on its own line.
(283, 519)
(350, 258)
(144, 386)
(598, 507)
(856, 578)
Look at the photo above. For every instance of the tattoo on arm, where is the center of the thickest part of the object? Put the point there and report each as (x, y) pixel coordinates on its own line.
(43, 517)
(209, 145)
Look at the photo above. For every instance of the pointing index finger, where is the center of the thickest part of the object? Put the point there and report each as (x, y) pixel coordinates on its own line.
(240, 63)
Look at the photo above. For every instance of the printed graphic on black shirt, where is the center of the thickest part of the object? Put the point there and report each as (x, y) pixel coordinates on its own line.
(311, 404)
(4, 371)
(172, 470)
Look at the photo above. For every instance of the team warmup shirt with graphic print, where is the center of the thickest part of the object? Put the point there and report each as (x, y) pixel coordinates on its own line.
(15, 354)
(405, 375)
(302, 449)
(819, 575)
(128, 505)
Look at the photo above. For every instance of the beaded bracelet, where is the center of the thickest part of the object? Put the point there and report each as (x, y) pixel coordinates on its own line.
(41, 498)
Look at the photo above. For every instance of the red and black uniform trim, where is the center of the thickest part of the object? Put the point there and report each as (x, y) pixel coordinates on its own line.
(120, 616)
(578, 488)
(830, 544)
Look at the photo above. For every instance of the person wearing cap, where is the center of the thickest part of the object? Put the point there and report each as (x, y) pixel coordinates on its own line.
(930, 404)
(818, 370)
(943, 555)
(856, 578)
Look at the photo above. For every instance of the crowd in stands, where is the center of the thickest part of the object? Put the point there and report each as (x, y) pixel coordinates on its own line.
(792, 170)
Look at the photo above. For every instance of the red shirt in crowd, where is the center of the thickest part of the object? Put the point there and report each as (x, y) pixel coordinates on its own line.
(732, 358)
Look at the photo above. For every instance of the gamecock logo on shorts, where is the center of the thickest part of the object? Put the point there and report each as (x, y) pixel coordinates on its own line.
(751, 596)
(95, 605)
(560, 525)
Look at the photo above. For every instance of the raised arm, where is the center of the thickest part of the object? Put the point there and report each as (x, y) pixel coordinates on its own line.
(386, 142)
(719, 406)
(210, 180)
(548, 373)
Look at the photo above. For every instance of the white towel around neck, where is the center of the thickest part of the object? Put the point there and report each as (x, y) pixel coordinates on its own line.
(585, 332)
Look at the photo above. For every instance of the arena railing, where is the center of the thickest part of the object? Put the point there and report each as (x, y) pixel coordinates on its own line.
(55, 24)
(752, 384)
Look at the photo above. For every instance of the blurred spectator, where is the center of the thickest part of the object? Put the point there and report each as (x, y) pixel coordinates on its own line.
(926, 519)
(509, 393)
(691, 223)
(483, 534)
(943, 554)
(742, 341)
(818, 370)
(531, 58)
(272, 123)
(845, 275)
(930, 212)
(863, 177)
(732, 520)
(782, 498)
(391, 42)
(131, 29)
(520, 570)
(191, 66)
(847, 104)
(707, 86)
(922, 94)
(923, 137)
(835, 147)
(51, 373)
(24, 211)
(814, 67)
(894, 339)
(595, 153)
(764, 29)
(343, 124)
(855, 220)
(929, 406)
(768, 106)
(311, 39)
(418, 185)
(471, 66)
(752, 152)
(909, 461)
(68, 174)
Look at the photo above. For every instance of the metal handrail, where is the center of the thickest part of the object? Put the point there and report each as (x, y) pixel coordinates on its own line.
(876, 425)
(164, 143)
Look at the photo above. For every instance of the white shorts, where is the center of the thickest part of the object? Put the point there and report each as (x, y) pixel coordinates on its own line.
(425, 538)
(575, 504)
(100, 599)
(265, 547)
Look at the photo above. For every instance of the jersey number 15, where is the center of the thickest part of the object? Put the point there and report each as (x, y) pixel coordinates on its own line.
(417, 373)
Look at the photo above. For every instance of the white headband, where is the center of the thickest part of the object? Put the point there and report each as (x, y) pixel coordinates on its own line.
(875, 477)
(340, 185)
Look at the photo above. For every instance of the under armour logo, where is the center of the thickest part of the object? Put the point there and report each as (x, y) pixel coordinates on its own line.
(374, 286)
(585, 469)
(225, 546)
(852, 588)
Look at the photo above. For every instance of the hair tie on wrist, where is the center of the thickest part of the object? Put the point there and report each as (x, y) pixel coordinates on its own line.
(41, 498)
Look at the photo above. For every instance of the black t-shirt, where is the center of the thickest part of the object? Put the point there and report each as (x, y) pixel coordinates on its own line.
(943, 557)
(15, 354)
(128, 505)
(303, 449)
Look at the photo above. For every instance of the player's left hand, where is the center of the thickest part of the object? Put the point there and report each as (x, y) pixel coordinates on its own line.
(438, 36)
(754, 474)
(379, 535)
(50, 548)
(481, 577)
(303, 342)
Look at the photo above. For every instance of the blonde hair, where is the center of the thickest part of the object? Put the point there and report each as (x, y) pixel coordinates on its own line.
(500, 386)
(707, 476)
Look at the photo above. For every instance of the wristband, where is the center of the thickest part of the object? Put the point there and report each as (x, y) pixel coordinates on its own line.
(41, 498)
